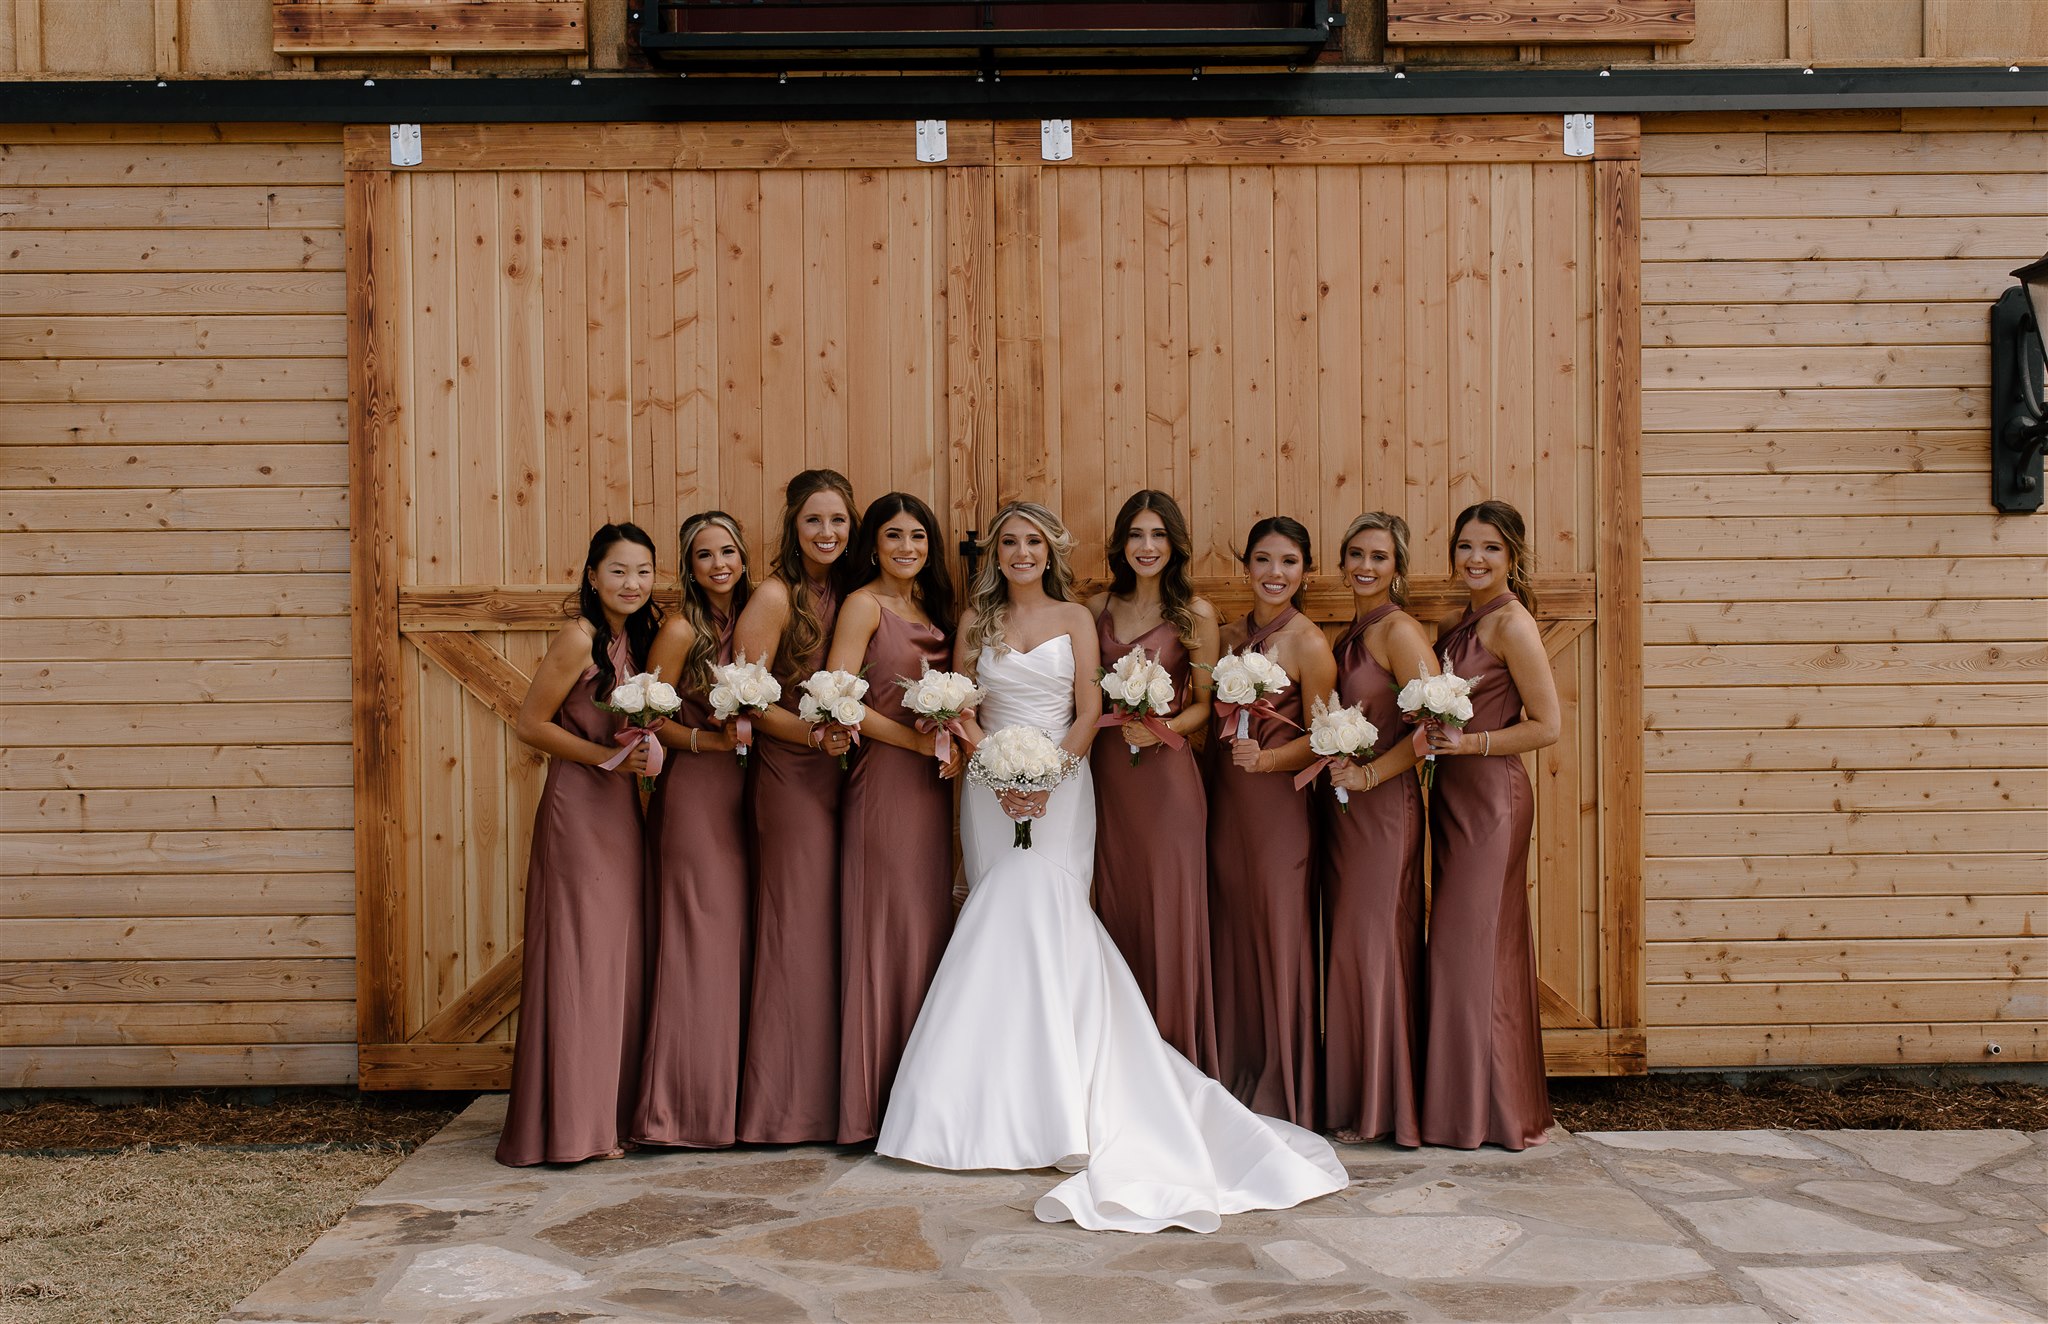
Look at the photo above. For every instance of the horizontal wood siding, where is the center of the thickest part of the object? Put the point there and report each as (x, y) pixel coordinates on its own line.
(1845, 647)
(176, 868)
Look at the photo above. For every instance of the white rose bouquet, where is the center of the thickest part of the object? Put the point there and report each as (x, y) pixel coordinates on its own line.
(645, 701)
(1139, 689)
(940, 699)
(1024, 759)
(833, 698)
(1246, 683)
(738, 688)
(1337, 735)
(1444, 699)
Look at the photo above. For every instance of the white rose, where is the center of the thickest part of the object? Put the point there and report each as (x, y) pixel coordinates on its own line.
(1461, 710)
(1410, 698)
(662, 697)
(808, 709)
(629, 697)
(724, 703)
(750, 691)
(1113, 687)
(1236, 688)
(847, 711)
(1159, 694)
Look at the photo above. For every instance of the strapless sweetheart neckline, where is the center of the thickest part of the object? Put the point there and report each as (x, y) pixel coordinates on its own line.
(1027, 652)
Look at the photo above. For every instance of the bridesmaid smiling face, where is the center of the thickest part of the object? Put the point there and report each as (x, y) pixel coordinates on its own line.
(1480, 556)
(1277, 566)
(823, 526)
(902, 546)
(623, 580)
(1371, 565)
(717, 562)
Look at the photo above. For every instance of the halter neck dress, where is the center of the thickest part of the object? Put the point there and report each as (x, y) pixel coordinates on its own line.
(789, 1088)
(895, 881)
(1152, 858)
(576, 1065)
(1261, 916)
(1483, 1081)
(700, 939)
(1373, 905)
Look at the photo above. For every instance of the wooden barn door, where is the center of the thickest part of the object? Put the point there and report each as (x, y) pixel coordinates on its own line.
(557, 326)
(1319, 317)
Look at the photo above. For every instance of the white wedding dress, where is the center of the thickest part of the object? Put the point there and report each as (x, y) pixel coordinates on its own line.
(1035, 1049)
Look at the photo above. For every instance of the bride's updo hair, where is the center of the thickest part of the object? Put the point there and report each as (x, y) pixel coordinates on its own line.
(989, 599)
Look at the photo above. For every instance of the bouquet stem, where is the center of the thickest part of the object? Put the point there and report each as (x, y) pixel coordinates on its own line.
(1134, 754)
(1021, 838)
(1343, 800)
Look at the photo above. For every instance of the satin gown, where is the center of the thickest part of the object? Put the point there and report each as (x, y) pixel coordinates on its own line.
(789, 1089)
(576, 1065)
(1152, 860)
(1035, 1048)
(700, 938)
(1371, 861)
(1261, 914)
(1484, 1080)
(895, 881)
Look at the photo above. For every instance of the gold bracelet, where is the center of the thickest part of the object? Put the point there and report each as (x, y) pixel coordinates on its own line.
(1488, 751)
(693, 740)
(1372, 777)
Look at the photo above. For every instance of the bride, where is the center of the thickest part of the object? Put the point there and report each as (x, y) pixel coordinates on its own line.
(1035, 1048)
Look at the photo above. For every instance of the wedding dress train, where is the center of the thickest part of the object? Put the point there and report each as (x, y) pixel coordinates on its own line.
(1035, 1048)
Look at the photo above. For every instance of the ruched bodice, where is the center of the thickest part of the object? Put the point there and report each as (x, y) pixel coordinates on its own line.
(1032, 687)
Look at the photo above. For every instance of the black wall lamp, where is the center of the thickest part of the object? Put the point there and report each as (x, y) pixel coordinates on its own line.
(2019, 420)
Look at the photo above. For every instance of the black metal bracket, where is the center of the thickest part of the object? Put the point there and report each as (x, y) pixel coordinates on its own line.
(2019, 428)
(970, 553)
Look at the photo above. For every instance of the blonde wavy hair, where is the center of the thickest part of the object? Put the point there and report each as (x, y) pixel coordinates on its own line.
(696, 608)
(989, 599)
(1397, 529)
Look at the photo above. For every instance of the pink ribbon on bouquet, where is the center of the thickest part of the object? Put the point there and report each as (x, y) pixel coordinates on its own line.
(1311, 772)
(1257, 708)
(629, 736)
(1150, 721)
(742, 731)
(943, 735)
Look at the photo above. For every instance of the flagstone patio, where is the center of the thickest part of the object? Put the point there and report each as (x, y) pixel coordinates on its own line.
(1705, 1227)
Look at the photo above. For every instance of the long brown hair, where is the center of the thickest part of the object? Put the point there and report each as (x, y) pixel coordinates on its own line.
(1397, 529)
(1176, 582)
(1514, 535)
(989, 599)
(803, 636)
(641, 626)
(1293, 530)
(934, 584)
(696, 609)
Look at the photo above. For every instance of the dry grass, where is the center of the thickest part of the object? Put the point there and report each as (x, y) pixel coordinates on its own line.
(167, 1236)
(1877, 1103)
(201, 1117)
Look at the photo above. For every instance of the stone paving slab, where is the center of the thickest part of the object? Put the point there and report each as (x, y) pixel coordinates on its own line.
(1739, 1227)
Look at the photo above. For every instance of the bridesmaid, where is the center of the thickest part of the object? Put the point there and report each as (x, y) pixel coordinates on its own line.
(1260, 907)
(896, 842)
(789, 1088)
(1372, 857)
(1484, 1081)
(697, 864)
(576, 1068)
(1151, 857)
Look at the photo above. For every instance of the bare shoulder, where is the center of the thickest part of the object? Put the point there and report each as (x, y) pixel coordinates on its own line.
(1305, 633)
(1098, 603)
(1076, 617)
(677, 629)
(768, 601)
(572, 644)
(1204, 610)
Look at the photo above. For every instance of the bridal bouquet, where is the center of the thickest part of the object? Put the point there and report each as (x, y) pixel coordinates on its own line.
(1246, 682)
(740, 687)
(833, 698)
(1139, 689)
(1445, 698)
(646, 701)
(1023, 759)
(1337, 734)
(940, 699)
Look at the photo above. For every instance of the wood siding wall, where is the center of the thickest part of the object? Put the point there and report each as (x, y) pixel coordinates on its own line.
(176, 892)
(1847, 760)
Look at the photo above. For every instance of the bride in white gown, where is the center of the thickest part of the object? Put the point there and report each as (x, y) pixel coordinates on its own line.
(1035, 1048)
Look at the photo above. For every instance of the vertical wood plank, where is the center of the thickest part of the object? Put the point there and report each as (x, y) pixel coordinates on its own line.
(563, 386)
(1382, 237)
(741, 453)
(786, 443)
(1253, 458)
(650, 219)
(1340, 483)
(912, 434)
(377, 713)
(826, 332)
(1165, 313)
(1510, 426)
(1299, 480)
(1554, 373)
(1075, 469)
(1620, 587)
(1123, 340)
(1212, 428)
(28, 36)
(970, 354)
(1427, 337)
(693, 301)
(868, 304)
(608, 349)
(1020, 331)
(1469, 368)
(169, 37)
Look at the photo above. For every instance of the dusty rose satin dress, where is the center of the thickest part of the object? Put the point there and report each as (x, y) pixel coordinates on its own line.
(895, 882)
(789, 1090)
(699, 940)
(1484, 1081)
(1372, 896)
(576, 1067)
(1152, 860)
(1261, 918)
